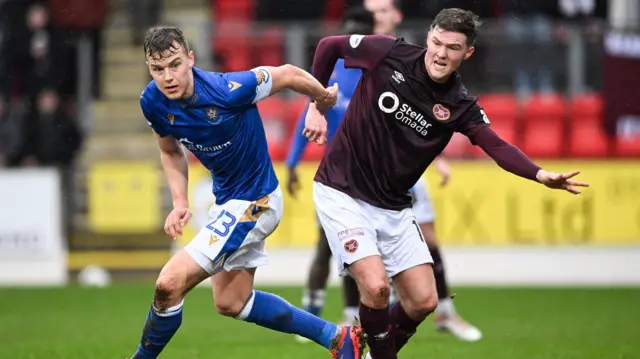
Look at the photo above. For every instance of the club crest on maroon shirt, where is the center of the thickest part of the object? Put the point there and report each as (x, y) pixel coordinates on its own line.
(441, 112)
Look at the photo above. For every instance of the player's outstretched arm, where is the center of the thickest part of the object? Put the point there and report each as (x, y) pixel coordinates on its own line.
(176, 169)
(511, 159)
(296, 79)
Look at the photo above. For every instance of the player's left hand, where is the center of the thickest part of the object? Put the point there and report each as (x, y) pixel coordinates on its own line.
(561, 181)
(315, 126)
(442, 166)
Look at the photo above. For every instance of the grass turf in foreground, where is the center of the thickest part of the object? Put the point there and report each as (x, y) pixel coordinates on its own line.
(532, 323)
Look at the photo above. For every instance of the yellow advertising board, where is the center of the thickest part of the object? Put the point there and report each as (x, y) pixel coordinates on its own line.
(123, 197)
(484, 205)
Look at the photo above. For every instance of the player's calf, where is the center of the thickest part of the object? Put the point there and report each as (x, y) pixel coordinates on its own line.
(371, 277)
(417, 302)
(236, 298)
(164, 318)
(420, 305)
(229, 305)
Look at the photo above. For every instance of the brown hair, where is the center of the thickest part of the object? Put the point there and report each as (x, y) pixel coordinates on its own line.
(162, 38)
(458, 20)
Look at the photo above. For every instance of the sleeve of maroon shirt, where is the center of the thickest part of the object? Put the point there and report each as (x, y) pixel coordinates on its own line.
(358, 51)
(507, 156)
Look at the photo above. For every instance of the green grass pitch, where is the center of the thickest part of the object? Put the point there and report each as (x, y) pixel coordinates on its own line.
(534, 323)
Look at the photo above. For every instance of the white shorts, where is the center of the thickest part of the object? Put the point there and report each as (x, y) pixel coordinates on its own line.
(422, 206)
(356, 230)
(235, 236)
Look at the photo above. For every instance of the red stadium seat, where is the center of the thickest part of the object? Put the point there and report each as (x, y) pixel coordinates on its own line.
(628, 147)
(586, 135)
(233, 44)
(586, 106)
(506, 131)
(277, 150)
(313, 152)
(296, 105)
(268, 46)
(235, 9)
(500, 108)
(588, 140)
(237, 61)
(458, 147)
(273, 110)
(502, 111)
(543, 126)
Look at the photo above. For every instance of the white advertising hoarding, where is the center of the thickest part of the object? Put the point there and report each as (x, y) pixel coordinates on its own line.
(32, 250)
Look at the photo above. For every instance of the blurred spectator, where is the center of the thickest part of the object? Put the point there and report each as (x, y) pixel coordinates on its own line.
(531, 23)
(50, 136)
(587, 15)
(35, 126)
(144, 14)
(72, 20)
(25, 49)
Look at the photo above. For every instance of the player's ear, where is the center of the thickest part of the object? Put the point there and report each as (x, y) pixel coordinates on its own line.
(192, 59)
(469, 52)
(399, 16)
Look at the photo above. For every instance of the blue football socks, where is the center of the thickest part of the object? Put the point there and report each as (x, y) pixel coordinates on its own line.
(270, 311)
(158, 330)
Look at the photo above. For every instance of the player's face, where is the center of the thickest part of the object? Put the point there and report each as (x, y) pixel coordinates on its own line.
(387, 17)
(172, 72)
(445, 52)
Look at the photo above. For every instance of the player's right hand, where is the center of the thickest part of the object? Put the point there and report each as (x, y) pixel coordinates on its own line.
(315, 126)
(561, 181)
(176, 221)
(329, 99)
(293, 184)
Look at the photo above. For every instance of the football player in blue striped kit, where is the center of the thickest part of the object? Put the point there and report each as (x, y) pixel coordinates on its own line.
(214, 115)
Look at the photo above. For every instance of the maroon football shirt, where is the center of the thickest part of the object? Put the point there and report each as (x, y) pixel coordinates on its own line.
(399, 121)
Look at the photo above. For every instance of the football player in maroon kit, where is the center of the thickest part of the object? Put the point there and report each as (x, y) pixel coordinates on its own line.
(409, 102)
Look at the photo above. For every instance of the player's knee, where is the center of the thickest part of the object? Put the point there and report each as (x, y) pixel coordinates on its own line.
(377, 293)
(168, 291)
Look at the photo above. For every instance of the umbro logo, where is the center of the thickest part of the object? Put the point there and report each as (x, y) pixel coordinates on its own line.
(398, 77)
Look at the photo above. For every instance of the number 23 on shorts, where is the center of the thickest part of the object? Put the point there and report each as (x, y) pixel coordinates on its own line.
(223, 224)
